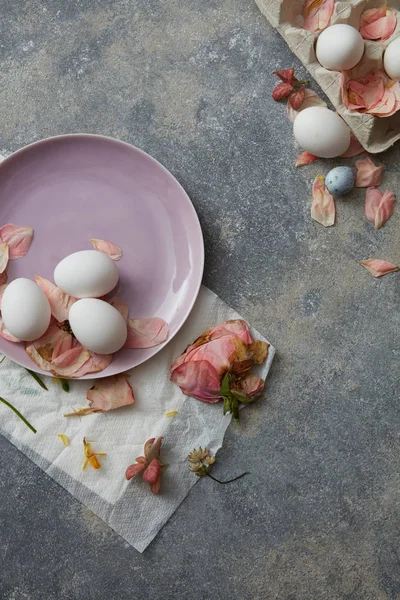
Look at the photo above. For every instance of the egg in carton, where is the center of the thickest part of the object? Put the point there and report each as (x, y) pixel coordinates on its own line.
(376, 134)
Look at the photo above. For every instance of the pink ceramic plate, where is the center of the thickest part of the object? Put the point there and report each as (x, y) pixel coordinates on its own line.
(75, 187)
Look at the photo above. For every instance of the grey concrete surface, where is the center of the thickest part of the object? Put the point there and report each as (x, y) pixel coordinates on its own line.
(189, 81)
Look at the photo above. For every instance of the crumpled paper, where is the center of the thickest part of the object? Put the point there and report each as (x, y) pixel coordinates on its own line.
(128, 507)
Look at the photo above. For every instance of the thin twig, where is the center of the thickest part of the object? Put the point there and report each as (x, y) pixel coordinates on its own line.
(18, 414)
(230, 480)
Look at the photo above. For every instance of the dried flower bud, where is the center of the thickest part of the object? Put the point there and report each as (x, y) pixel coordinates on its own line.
(282, 90)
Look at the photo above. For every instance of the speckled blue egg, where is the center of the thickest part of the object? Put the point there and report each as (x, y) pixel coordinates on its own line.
(340, 181)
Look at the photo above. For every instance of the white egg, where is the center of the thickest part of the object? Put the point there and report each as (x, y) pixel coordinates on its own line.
(339, 47)
(391, 60)
(97, 325)
(86, 274)
(25, 310)
(321, 132)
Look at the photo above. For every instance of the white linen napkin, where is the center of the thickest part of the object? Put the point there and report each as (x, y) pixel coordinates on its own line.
(128, 507)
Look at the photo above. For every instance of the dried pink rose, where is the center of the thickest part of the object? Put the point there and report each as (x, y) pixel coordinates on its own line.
(150, 465)
(354, 149)
(60, 302)
(374, 94)
(379, 207)
(146, 332)
(107, 394)
(323, 204)
(317, 14)
(305, 158)
(18, 238)
(198, 379)
(379, 268)
(378, 23)
(4, 255)
(368, 174)
(112, 250)
(311, 98)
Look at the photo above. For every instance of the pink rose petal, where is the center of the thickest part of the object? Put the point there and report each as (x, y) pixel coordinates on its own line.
(146, 332)
(378, 23)
(323, 205)
(4, 255)
(3, 278)
(236, 327)
(198, 379)
(60, 302)
(19, 238)
(317, 14)
(379, 268)
(311, 98)
(379, 207)
(6, 334)
(112, 250)
(2, 288)
(354, 149)
(110, 393)
(374, 94)
(134, 470)
(153, 471)
(217, 352)
(368, 174)
(251, 385)
(121, 306)
(305, 158)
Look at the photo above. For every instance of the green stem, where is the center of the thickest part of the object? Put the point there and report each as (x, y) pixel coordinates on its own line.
(37, 379)
(18, 414)
(64, 385)
(230, 480)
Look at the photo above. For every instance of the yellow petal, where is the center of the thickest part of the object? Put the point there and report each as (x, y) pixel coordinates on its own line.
(172, 413)
(63, 438)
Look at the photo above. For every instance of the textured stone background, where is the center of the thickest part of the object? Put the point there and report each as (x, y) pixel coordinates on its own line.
(189, 81)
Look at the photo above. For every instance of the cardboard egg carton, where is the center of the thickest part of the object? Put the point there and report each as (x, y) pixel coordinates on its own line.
(376, 134)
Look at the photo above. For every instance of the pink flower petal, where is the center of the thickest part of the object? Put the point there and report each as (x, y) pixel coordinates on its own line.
(251, 385)
(121, 306)
(99, 362)
(378, 267)
(390, 25)
(134, 470)
(19, 238)
(374, 94)
(6, 334)
(323, 205)
(217, 352)
(110, 393)
(60, 302)
(198, 379)
(354, 149)
(379, 207)
(152, 448)
(146, 333)
(69, 358)
(305, 158)
(3, 278)
(2, 288)
(112, 250)
(4, 255)
(153, 471)
(378, 23)
(236, 327)
(368, 174)
(317, 14)
(311, 98)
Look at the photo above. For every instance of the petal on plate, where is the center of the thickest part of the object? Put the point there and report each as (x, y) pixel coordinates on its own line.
(112, 250)
(368, 174)
(323, 205)
(99, 362)
(311, 98)
(317, 14)
(2, 288)
(19, 239)
(198, 379)
(4, 256)
(3, 278)
(305, 158)
(354, 149)
(134, 470)
(121, 306)
(385, 208)
(378, 267)
(6, 334)
(60, 302)
(146, 332)
(110, 393)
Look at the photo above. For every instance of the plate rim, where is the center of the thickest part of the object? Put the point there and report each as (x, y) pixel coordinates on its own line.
(100, 374)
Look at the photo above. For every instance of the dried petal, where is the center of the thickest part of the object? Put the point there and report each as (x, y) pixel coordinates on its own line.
(134, 470)
(110, 393)
(374, 94)
(6, 334)
(18, 238)
(91, 457)
(153, 449)
(378, 267)
(354, 149)
(112, 250)
(305, 158)
(171, 413)
(63, 438)
(121, 306)
(4, 256)
(198, 379)
(60, 302)
(368, 174)
(3, 278)
(281, 91)
(379, 207)
(317, 14)
(311, 98)
(259, 351)
(297, 98)
(146, 333)
(251, 385)
(378, 23)
(2, 288)
(153, 471)
(286, 75)
(323, 205)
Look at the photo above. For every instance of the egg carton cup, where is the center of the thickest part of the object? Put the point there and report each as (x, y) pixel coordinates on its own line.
(376, 134)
